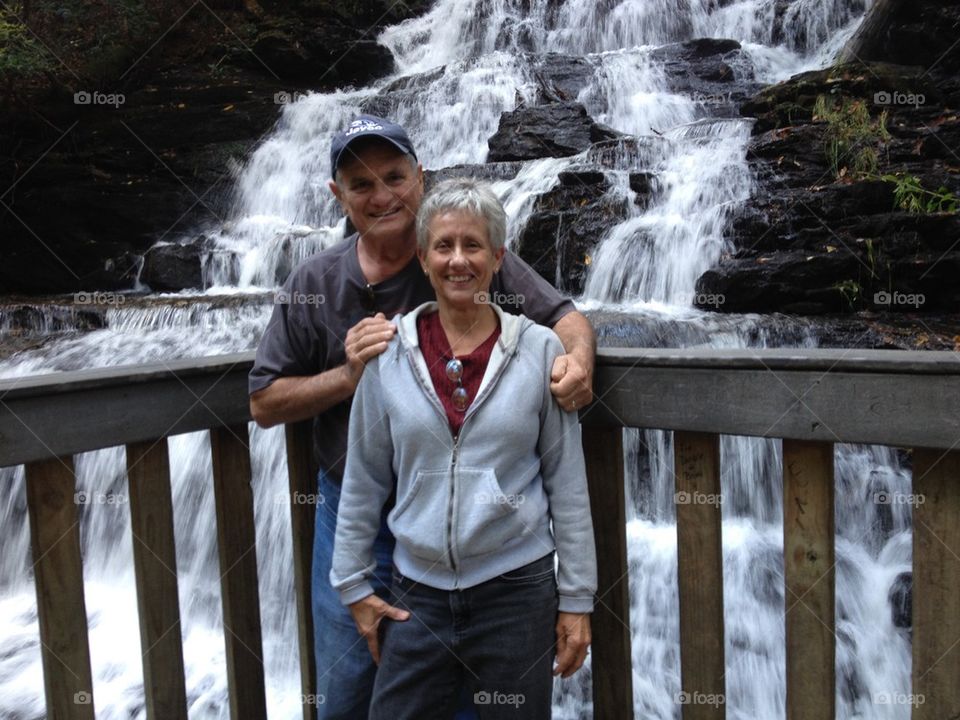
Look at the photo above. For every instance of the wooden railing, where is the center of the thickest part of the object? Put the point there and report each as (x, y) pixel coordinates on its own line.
(811, 399)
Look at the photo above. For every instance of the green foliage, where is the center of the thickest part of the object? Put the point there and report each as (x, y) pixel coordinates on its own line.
(911, 196)
(850, 291)
(91, 43)
(22, 58)
(852, 136)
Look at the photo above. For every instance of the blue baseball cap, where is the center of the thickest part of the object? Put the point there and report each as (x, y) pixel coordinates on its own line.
(366, 126)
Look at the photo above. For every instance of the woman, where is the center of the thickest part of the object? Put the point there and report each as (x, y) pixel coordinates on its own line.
(456, 418)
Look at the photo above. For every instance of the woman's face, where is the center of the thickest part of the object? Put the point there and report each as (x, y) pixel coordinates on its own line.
(459, 260)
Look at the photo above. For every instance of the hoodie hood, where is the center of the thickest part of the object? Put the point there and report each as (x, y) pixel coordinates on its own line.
(512, 327)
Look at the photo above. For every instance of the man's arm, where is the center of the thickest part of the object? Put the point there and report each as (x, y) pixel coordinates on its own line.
(289, 399)
(572, 376)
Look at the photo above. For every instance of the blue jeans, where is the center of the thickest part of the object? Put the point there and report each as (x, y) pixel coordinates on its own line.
(345, 669)
(496, 639)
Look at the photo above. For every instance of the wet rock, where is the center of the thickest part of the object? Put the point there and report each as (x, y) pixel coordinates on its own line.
(908, 32)
(557, 129)
(335, 51)
(901, 600)
(491, 172)
(644, 184)
(712, 72)
(815, 236)
(560, 77)
(403, 91)
(566, 224)
(175, 266)
(630, 154)
(790, 281)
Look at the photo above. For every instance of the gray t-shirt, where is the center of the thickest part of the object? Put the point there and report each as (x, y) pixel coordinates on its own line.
(327, 294)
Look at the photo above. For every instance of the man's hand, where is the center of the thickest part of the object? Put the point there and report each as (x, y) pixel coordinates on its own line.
(365, 340)
(573, 640)
(572, 373)
(571, 383)
(368, 613)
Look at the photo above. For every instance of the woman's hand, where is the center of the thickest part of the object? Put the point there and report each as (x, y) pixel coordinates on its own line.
(573, 639)
(368, 613)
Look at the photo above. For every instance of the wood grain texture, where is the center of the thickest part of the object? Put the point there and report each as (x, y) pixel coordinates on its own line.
(302, 473)
(52, 504)
(611, 650)
(700, 567)
(809, 597)
(155, 569)
(936, 585)
(239, 585)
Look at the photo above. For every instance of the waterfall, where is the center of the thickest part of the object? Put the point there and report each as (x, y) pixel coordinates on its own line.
(458, 68)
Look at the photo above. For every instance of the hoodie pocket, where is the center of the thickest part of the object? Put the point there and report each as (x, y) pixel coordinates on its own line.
(420, 517)
(488, 518)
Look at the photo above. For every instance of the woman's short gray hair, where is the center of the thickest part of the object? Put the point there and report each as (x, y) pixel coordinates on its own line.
(467, 195)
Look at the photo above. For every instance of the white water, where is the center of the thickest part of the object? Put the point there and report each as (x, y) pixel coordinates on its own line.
(469, 54)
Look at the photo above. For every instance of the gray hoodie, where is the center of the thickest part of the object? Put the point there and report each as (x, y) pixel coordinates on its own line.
(472, 507)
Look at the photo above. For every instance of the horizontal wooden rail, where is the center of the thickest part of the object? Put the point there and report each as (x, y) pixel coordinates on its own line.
(810, 398)
(893, 397)
(73, 412)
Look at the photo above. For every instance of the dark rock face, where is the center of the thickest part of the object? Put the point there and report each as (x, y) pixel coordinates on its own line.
(333, 53)
(908, 32)
(811, 242)
(115, 180)
(557, 129)
(491, 172)
(566, 224)
(560, 77)
(172, 267)
(94, 186)
(710, 71)
(901, 600)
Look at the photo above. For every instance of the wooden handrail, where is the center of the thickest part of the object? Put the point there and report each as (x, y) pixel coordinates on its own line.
(810, 398)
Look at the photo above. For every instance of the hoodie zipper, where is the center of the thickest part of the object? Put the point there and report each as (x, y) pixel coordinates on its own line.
(435, 401)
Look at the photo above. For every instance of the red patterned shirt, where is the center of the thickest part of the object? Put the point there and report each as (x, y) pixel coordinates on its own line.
(437, 352)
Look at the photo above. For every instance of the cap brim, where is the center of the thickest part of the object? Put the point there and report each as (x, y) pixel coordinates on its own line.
(399, 146)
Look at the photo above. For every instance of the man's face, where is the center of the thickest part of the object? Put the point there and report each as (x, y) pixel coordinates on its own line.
(380, 191)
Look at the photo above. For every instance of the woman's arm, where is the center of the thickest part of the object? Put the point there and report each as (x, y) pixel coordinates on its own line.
(564, 476)
(367, 483)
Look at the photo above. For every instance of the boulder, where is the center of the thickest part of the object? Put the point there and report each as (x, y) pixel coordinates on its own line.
(565, 226)
(901, 600)
(171, 267)
(558, 129)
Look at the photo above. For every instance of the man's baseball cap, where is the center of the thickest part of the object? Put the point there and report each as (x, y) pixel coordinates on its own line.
(366, 126)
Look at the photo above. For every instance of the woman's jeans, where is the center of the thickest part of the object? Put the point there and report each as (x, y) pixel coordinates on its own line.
(345, 669)
(496, 639)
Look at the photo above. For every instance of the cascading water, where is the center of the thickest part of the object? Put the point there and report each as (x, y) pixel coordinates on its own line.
(459, 67)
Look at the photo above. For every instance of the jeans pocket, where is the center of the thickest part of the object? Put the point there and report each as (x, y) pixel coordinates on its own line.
(539, 571)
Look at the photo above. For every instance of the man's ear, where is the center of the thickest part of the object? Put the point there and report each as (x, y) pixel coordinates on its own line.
(335, 189)
(421, 256)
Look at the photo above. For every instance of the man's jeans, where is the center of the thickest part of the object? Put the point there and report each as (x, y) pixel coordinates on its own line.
(345, 669)
(496, 638)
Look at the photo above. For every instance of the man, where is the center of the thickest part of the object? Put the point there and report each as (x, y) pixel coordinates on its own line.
(333, 318)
